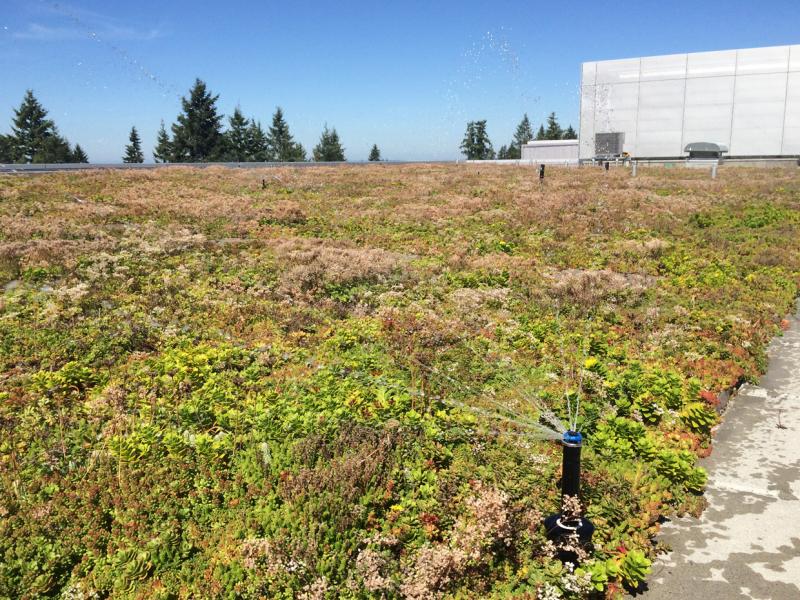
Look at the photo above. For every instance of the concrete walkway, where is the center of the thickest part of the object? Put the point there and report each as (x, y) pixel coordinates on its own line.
(747, 542)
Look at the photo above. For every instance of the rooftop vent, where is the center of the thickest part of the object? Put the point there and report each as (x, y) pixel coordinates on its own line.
(609, 145)
(705, 150)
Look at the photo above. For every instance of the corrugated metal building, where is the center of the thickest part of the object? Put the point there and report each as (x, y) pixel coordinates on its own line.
(747, 100)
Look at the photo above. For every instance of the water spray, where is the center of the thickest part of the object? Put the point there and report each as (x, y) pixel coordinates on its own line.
(571, 532)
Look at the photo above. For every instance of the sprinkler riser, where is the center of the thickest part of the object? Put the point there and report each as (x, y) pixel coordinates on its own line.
(571, 470)
(563, 525)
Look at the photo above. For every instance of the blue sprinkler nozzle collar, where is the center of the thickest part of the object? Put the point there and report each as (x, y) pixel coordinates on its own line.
(573, 438)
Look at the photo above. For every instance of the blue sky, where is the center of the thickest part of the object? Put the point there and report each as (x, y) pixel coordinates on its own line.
(406, 75)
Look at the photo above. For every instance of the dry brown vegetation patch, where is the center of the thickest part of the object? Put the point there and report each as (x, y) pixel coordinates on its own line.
(19, 256)
(471, 299)
(285, 212)
(589, 287)
(310, 264)
(653, 247)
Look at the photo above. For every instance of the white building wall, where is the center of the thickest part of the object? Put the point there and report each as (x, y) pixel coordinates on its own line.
(791, 126)
(746, 99)
(557, 151)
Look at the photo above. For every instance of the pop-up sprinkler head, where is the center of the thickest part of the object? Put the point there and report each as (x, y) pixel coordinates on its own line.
(565, 524)
(571, 464)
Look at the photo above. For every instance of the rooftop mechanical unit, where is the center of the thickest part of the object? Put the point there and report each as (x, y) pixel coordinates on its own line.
(551, 151)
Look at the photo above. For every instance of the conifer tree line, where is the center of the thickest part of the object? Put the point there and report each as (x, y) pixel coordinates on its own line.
(35, 139)
(476, 144)
(198, 136)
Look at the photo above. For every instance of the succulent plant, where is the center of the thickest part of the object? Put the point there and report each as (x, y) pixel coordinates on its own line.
(175, 444)
(635, 567)
(165, 548)
(646, 448)
(696, 481)
(649, 409)
(699, 417)
(131, 566)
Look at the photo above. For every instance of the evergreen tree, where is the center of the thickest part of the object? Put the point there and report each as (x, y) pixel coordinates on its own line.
(163, 150)
(30, 130)
(329, 148)
(7, 149)
(53, 149)
(570, 134)
(502, 154)
(133, 151)
(374, 154)
(281, 143)
(554, 131)
(197, 136)
(237, 138)
(258, 149)
(78, 155)
(34, 138)
(476, 144)
(541, 135)
(522, 135)
(299, 153)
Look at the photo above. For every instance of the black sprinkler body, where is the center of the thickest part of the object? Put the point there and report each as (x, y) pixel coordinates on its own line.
(561, 525)
(571, 464)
